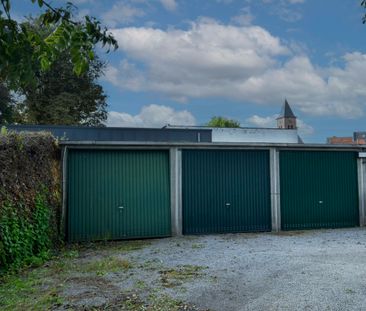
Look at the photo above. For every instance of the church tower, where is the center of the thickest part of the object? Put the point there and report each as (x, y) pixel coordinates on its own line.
(286, 119)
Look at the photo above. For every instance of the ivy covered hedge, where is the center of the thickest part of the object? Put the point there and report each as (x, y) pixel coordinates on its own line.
(30, 200)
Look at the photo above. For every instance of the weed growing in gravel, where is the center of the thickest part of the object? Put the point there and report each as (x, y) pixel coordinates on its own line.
(71, 254)
(140, 284)
(29, 291)
(111, 246)
(176, 277)
(152, 264)
(164, 303)
(155, 302)
(197, 246)
(128, 246)
(105, 265)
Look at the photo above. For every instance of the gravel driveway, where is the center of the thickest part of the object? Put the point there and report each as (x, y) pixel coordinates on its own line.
(304, 270)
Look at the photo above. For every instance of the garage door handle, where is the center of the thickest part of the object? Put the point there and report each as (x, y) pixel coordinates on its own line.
(228, 204)
(121, 207)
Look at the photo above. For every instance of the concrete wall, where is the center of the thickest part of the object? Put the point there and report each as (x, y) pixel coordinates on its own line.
(254, 135)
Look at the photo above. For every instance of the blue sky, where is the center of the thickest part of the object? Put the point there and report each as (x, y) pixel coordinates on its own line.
(182, 62)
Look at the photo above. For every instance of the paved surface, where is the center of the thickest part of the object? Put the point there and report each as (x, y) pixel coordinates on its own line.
(307, 270)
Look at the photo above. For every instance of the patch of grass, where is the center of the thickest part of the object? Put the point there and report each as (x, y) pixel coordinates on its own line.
(120, 246)
(167, 303)
(128, 246)
(176, 277)
(292, 233)
(133, 303)
(71, 254)
(164, 303)
(29, 291)
(197, 246)
(140, 284)
(155, 302)
(152, 264)
(105, 265)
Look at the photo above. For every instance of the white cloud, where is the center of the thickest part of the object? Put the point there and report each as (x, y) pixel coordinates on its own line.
(121, 13)
(245, 17)
(82, 13)
(259, 121)
(304, 128)
(246, 64)
(78, 2)
(284, 9)
(283, 2)
(288, 15)
(126, 74)
(170, 5)
(151, 116)
(270, 121)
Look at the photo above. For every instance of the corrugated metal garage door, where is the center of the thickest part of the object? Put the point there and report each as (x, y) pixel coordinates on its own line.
(118, 194)
(318, 189)
(225, 191)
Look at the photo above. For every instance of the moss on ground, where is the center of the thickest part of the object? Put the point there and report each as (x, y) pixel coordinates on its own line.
(177, 276)
(106, 265)
(33, 290)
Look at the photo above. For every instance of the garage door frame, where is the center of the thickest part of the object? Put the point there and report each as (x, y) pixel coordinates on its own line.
(267, 180)
(65, 177)
(321, 223)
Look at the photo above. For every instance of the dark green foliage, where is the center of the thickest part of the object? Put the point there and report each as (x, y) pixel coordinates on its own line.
(25, 236)
(59, 96)
(363, 4)
(222, 122)
(29, 162)
(21, 43)
(29, 198)
(6, 105)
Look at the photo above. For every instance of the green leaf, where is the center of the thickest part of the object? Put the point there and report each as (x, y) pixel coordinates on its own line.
(91, 55)
(45, 63)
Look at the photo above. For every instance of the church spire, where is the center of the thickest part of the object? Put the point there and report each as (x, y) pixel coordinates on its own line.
(286, 119)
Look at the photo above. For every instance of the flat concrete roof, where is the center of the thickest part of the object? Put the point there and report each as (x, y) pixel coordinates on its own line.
(109, 144)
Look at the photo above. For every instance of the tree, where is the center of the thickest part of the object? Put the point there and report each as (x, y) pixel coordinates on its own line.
(223, 122)
(21, 47)
(6, 105)
(59, 96)
(363, 4)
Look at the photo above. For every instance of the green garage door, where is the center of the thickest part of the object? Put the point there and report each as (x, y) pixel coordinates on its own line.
(118, 194)
(318, 189)
(225, 191)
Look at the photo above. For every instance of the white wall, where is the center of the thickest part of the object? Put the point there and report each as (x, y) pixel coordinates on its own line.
(253, 135)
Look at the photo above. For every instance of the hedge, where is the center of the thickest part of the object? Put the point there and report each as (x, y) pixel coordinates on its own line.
(30, 200)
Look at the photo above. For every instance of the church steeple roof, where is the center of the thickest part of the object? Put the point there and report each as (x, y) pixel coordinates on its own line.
(286, 111)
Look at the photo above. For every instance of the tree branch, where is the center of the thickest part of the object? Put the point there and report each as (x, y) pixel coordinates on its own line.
(49, 6)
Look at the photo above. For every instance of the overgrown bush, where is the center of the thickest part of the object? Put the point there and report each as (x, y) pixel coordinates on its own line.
(29, 198)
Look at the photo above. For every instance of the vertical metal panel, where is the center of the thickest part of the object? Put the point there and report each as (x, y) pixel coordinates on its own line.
(212, 179)
(118, 194)
(361, 168)
(318, 189)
